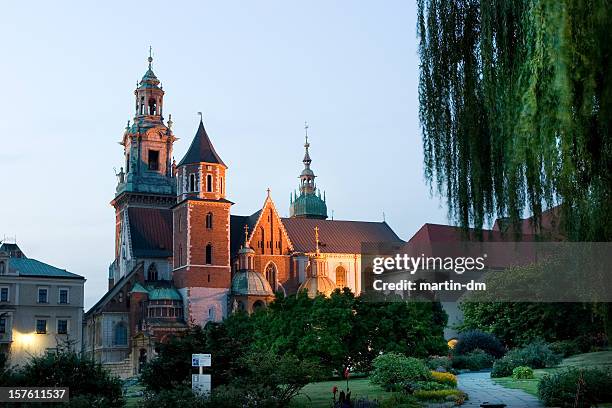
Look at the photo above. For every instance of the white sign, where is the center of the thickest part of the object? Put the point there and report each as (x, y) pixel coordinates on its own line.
(201, 360)
(201, 384)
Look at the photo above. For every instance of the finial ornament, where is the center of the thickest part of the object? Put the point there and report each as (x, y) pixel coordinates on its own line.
(316, 230)
(306, 131)
(150, 56)
(201, 117)
(170, 121)
(268, 190)
(246, 234)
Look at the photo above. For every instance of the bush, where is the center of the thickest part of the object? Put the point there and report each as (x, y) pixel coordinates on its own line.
(588, 387)
(400, 400)
(440, 362)
(565, 348)
(522, 373)
(85, 378)
(440, 395)
(412, 387)
(444, 378)
(180, 396)
(473, 361)
(476, 339)
(393, 370)
(535, 355)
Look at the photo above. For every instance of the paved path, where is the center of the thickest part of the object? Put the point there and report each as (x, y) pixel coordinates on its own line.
(480, 388)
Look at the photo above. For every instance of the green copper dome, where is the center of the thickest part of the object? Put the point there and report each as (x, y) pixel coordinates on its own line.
(250, 283)
(308, 203)
(308, 206)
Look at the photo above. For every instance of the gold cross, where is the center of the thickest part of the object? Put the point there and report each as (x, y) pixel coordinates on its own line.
(246, 234)
(316, 229)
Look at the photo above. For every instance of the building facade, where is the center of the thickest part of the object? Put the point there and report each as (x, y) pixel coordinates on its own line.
(41, 306)
(181, 257)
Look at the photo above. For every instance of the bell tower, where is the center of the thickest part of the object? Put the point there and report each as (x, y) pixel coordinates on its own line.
(201, 225)
(146, 179)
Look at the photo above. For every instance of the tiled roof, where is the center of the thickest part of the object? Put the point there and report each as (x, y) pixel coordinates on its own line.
(237, 223)
(201, 149)
(151, 232)
(163, 293)
(32, 267)
(335, 236)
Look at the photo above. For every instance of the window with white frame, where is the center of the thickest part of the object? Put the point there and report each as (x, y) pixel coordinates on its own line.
(192, 182)
(4, 294)
(63, 298)
(41, 326)
(62, 326)
(43, 295)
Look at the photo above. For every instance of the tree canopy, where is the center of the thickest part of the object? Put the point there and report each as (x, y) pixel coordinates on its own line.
(516, 109)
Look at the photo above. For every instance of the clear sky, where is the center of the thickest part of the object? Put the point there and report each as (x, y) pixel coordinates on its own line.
(256, 69)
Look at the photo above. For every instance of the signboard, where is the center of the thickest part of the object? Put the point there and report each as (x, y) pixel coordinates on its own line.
(201, 384)
(201, 360)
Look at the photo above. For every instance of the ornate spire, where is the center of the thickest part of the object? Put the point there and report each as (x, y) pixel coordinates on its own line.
(246, 234)
(150, 56)
(316, 230)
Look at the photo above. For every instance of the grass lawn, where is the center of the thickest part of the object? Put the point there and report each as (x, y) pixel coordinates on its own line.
(596, 359)
(319, 394)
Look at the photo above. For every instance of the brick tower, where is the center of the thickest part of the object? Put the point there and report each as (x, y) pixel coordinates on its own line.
(146, 182)
(201, 225)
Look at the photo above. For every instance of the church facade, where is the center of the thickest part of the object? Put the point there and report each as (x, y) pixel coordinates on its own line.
(181, 257)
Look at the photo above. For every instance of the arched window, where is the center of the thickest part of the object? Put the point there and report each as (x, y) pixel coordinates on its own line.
(152, 106)
(152, 273)
(209, 220)
(212, 315)
(192, 182)
(120, 334)
(209, 254)
(180, 255)
(258, 305)
(209, 183)
(142, 105)
(340, 277)
(221, 185)
(2, 268)
(271, 275)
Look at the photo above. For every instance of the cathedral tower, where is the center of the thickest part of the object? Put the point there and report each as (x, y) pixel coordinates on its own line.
(308, 203)
(146, 184)
(201, 225)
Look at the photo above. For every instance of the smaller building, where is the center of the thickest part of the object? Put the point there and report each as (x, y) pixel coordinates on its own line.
(41, 306)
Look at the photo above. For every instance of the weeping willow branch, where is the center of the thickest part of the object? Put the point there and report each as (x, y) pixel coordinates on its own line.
(515, 108)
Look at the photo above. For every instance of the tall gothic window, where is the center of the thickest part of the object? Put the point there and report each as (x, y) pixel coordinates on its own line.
(2, 268)
(209, 182)
(120, 334)
(340, 277)
(153, 272)
(209, 254)
(271, 275)
(153, 160)
(209, 220)
(192, 182)
(152, 107)
(142, 105)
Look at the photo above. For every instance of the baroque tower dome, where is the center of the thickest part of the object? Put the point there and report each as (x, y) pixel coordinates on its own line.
(308, 203)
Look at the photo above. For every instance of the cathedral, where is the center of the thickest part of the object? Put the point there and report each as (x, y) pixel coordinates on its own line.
(181, 257)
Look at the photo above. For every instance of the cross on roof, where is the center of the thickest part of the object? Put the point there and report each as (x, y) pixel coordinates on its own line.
(246, 234)
(316, 229)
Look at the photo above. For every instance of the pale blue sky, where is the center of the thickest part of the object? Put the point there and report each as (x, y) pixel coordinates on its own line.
(256, 69)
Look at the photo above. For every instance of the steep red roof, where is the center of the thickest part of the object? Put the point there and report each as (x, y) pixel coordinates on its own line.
(151, 232)
(335, 236)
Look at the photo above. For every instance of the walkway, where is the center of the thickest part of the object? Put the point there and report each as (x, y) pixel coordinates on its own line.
(480, 388)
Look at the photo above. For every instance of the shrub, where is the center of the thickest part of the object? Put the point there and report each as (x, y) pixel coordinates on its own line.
(473, 361)
(587, 387)
(476, 339)
(85, 378)
(400, 400)
(565, 348)
(440, 362)
(411, 387)
(440, 395)
(180, 396)
(522, 373)
(393, 370)
(539, 355)
(444, 378)
(535, 355)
